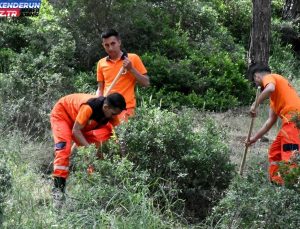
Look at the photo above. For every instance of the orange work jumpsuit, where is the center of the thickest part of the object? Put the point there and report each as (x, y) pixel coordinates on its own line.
(63, 116)
(285, 102)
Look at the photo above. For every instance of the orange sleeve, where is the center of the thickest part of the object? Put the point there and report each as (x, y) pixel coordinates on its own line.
(268, 79)
(84, 114)
(138, 64)
(100, 77)
(115, 121)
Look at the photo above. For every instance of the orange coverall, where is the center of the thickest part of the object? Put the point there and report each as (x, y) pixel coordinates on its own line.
(285, 102)
(66, 111)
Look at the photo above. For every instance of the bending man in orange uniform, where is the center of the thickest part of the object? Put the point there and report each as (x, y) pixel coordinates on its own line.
(84, 119)
(284, 103)
(108, 67)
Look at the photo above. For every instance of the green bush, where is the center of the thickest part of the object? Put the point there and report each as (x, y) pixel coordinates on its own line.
(282, 58)
(116, 195)
(5, 185)
(85, 82)
(236, 17)
(167, 145)
(39, 73)
(6, 57)
(212, 81)
(253, 202)
(290, 172)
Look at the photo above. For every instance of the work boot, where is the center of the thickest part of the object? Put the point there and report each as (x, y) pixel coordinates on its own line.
(58, 192)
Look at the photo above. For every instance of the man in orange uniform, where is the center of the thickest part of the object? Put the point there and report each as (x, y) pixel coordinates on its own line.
(108, 68)
(284, 103)
(84, 119)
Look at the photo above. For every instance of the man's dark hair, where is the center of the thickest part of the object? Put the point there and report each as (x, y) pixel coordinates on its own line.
(116, 100)
(109, 33)
(258, 68)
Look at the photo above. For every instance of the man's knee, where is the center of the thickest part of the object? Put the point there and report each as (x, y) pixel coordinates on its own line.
(60, 146)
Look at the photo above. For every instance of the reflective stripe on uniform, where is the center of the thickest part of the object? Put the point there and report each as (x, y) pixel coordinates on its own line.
(61, 167)
(274, 162)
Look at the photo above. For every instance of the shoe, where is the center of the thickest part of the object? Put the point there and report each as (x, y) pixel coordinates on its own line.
(58, 198)
(58, 192)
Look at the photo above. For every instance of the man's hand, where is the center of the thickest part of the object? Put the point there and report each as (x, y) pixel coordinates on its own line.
(251, 141)
(127, 64)
(142, 80)
(253, 110)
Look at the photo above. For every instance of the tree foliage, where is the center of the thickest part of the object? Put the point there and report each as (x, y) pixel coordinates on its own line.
(35, 73)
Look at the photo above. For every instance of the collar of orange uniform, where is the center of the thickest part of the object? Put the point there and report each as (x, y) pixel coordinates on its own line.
(124, 54)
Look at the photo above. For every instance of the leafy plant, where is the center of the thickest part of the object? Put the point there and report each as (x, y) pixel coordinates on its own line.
(116, 194)
(254, 202)
(167, 145)
(5, 186)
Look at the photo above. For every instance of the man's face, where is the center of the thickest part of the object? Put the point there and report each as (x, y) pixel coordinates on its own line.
(257, 79)
(112, 46)
(110, 112)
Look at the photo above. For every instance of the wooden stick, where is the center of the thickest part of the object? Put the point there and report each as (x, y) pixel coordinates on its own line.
(114, 81)
(249, 135)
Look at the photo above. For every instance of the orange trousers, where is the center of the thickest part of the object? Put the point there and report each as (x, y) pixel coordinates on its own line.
(61, 126)
(286, 142)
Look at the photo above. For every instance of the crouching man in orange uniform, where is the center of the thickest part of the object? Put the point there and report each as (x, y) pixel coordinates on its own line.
(84, 119)
(284, 103)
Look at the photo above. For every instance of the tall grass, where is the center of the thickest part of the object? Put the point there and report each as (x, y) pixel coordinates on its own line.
(115, 196)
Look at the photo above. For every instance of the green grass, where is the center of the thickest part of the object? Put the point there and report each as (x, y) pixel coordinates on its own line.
(115, 197)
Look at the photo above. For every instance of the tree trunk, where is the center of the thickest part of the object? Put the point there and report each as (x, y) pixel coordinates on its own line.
(260, 32)
(291, 10)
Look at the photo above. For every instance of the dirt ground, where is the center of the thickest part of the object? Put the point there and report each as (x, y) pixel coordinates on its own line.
(236, 124)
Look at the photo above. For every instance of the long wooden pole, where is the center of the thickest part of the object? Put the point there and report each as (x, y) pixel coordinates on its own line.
(249, 135)
(114, 81)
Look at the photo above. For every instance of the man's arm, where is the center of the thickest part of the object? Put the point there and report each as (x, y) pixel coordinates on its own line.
(142, 80)
(262, 97)
(100, 89)
(265, 128)
(77, 133)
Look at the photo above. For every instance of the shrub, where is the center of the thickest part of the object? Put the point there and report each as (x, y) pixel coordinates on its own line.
(253, 202)
(5, 185)
(282, 58)
(85, 82)
(6, 57)
(167, 145)
(116, 194)
(213, 81)
(39, 72)
(236, 17)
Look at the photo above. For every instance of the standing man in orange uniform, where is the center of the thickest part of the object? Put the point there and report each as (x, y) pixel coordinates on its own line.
(284, 103)
(108, 67)
(84, 119)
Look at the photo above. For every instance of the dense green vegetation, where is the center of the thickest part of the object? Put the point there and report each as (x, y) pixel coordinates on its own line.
(178, 172)
(252, 202)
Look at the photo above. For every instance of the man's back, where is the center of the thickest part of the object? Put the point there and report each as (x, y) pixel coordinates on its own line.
(285, 98)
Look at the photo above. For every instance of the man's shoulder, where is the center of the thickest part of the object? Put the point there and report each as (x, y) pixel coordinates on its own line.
(274, 75)
(132, 55)
(102, 61)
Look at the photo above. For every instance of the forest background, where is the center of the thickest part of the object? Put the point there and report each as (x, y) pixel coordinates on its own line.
(185, 142)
